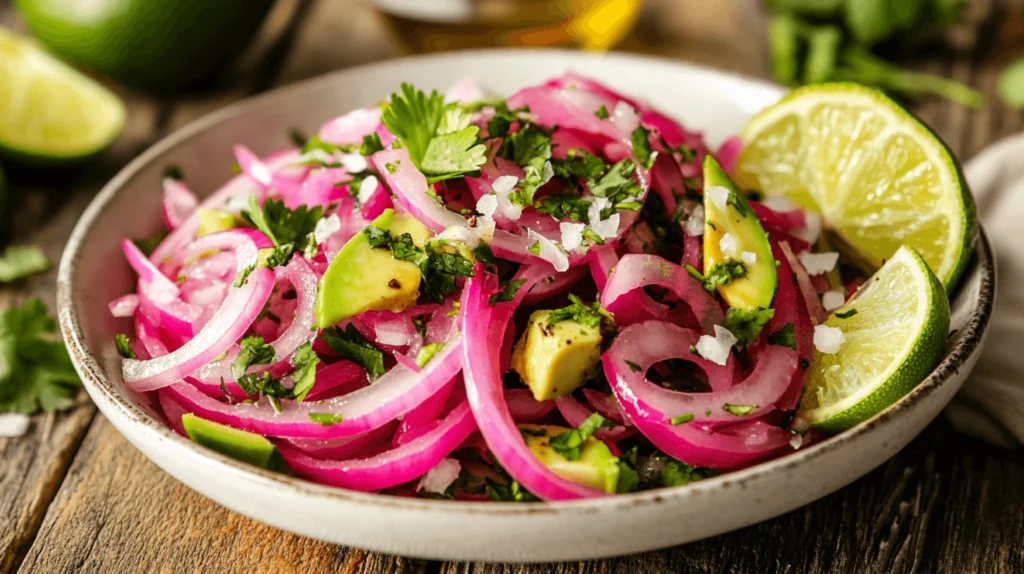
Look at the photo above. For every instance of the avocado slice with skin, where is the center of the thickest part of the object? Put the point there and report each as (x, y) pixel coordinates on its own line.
(238, 444)
(555, 359)
(727, 212)
(363, 278)
(596, 467)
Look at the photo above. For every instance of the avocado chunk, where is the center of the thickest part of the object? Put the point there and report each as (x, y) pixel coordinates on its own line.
(238, 444)
(596, 467)
(214, 220)
(749, 261)
(555, 359)
(363, 278)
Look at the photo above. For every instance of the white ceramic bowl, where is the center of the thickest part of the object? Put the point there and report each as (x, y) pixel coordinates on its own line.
(92, 273)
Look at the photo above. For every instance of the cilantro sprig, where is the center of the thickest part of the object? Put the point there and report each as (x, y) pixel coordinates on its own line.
(20, 261)
(35, 369)
(746, 324)
(253, 351)
(569, 442)
(352, 345)
(283, 225)
(592, 315)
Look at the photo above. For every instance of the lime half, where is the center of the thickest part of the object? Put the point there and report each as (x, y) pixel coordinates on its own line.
(877, 175)
(50, 113)
(895, 331)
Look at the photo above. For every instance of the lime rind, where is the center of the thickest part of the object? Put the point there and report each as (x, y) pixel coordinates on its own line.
(890, 120)
(924, 344)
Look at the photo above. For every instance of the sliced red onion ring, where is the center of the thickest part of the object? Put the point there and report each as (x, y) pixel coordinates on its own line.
(410, 187)
(606, 406)
(575, 414)
(149, 337)
(389, 468)
(159, 297)
(172, 412)
(481, 322)
(803, 282)
(345, 447)
(790, 309)
(524, 408)
(421, 419)
(635, 271)
(392, 395)
(238, 311)
(178, 203)
(555, 285)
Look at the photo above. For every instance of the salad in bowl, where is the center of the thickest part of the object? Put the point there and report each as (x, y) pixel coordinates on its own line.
(557, 295)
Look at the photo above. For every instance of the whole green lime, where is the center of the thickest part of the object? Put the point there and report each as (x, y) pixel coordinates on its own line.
(163, 45)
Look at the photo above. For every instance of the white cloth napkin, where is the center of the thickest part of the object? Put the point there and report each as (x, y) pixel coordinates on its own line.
(991, 403)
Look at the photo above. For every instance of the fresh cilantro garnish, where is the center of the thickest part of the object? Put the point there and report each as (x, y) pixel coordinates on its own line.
(277, 256)
(634, 367)
(512, 492)
(721, 273)
(437, 268)
(578, 165)
(351, 344)
(629, 478)
(254, 351)
(594, 237)
(325, 419)
(124, 346)
(642, 147)
(562, 205)
(438, 136)
(483, 254)
(35, 370)
(746, 324)
(678, 420)
(589, 315)
(427, 353)
(739, 410)
(499, 125)
(371, 144)
(678, 473)
(784, 336)
(602, 112)
(847, 314)
(282, 225)
(147, 244)
(534, 248)
(315, 143)
(243, 275)
(263, 383)
(507, 293)
(20, 261)
(739, 203)
(569, 442)
(305, 361)
(617, 184)
(525, 145)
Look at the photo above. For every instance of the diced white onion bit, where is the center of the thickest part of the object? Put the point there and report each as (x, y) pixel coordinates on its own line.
(572, 235)
(728, 245)
(695, 223)
(503, 187)
(716, 349)
(818, 263)
(487, 205)
(439, 478)
(748, 257)
(828, 340)
(13, 425)
(366, 189)
(549, 251)
(833, 300)
(719, 196)
(326, 227)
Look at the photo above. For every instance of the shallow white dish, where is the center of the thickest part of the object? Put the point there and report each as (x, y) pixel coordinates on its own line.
(92, 273)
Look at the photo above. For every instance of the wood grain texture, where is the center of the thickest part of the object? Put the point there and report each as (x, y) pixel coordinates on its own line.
(946, 503)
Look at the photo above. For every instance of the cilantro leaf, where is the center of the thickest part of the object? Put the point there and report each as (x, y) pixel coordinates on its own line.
(35, 370)
(351, 345)
(784, 336)
(617, 184)
(536, 174)
(569, 442)
(527, 144)
(629, 478)
(124, 346)
(263, 383)
(746, 324)
(507, 293)
(453, 155)
(437, 268)
(325, 419)
(414, 118)
(602, 112)
(642, 147)
(254, 351)
(589, 315)
(282, 225)
(512, 492)
(678, 473)
(579, 165)
(371, 144)
(562, 205)
(427, 353)
(721, 273)
(847, 314)
(20, 261)
(243, 275)
(315, 143)
(305, 361)
(277, 256)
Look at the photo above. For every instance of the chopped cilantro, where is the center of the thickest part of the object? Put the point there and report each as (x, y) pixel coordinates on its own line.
(315, 143)
(617, 184)
(483, 254)
(277, 256)
(305, 361)
(512, 492)
(739, 203)
(507, 293)
(325, 419)
(589, 315)
(527, 144)
(739, 410)
(602, 112)
(351, 344)
(438, 269)
(746, 324)
(686, 153)
(500, 124)
(784, 337)
(589, 234)
(455, 310)
(578, 165)
(36, 371)
(721, 273)
(124, 346)
(534, 248)
(427, 353)
(371, 144)
(253, 351)
(642, 147)
(847, 314)
(562, 205)
(678, 473)
(569, 442)
(263, 383)
(20, 261)
(243, 275)
(629, 478)
(678, 420)
(282, 225)
(148, 244)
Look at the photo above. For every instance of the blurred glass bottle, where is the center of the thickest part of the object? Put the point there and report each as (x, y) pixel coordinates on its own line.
(435, 25)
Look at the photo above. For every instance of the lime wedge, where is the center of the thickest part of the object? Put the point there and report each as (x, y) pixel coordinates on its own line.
(877, 175)
(50, 113)
(895, 330)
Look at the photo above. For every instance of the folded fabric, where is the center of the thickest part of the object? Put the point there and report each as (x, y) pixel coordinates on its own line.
(991, 403)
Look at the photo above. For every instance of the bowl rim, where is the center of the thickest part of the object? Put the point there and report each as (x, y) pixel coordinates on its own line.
(103, 393)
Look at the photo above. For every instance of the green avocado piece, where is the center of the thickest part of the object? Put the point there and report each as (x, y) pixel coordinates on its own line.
(238, 444)
(362, 278)
(555, 359)
(596, 467)
(214, 220)
(756, 288)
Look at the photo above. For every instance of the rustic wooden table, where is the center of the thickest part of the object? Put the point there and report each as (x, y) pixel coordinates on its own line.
(75, 496)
